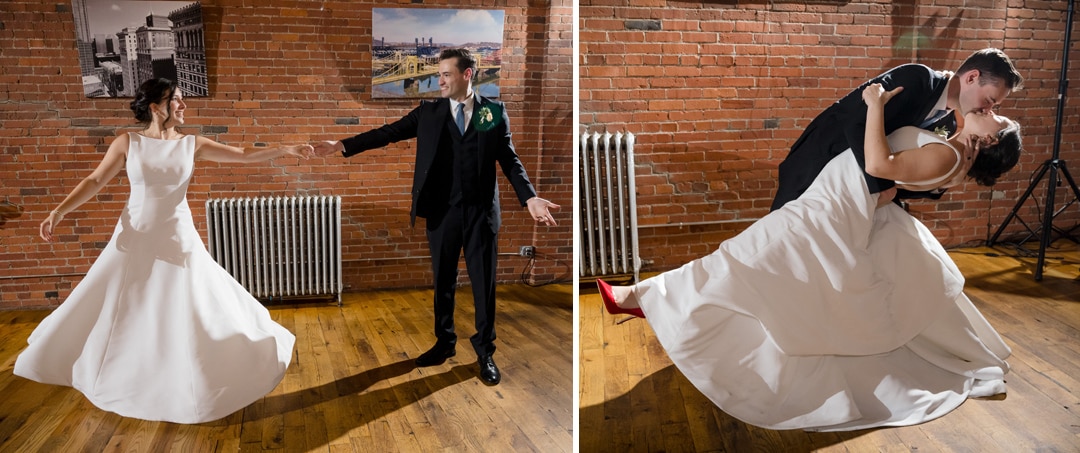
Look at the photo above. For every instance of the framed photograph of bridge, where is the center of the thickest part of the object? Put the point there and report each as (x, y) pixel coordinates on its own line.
(123, 43)
(406, 42)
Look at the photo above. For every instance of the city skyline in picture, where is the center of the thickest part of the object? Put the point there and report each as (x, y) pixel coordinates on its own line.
(405, 60)
(123, 43)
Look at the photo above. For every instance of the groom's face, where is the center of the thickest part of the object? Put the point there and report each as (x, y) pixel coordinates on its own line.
(980, 94)
(453, 83)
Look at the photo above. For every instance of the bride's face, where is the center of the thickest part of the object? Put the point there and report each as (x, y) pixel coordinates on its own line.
(173, 109)
(984, 125)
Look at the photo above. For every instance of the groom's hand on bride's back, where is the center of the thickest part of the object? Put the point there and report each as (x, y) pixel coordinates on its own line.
(326, 148)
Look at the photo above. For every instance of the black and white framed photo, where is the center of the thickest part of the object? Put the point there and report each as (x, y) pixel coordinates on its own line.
(123, 43)
(406, 43)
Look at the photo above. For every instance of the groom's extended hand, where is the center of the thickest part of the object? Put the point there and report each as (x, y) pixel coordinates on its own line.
(540, 210)
(323, 149)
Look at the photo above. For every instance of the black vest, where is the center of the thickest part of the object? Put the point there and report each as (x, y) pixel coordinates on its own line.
(465, 154)
(454, 175)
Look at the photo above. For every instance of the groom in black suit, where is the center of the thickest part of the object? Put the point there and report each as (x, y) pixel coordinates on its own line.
(459, 139)
(928, 100)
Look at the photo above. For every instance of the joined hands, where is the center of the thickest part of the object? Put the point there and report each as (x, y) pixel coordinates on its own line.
(302, 151)
(326, 148)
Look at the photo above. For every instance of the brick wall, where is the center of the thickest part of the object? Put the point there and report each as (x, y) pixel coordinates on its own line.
(278, 74)
(717, 92)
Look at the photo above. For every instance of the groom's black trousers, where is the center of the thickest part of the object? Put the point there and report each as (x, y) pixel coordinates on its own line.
(464, 227)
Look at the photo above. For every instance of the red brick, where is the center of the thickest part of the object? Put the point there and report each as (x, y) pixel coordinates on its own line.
(787, 61)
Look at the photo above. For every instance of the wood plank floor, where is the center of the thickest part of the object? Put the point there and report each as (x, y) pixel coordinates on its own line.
(633, 399)
(351, 387)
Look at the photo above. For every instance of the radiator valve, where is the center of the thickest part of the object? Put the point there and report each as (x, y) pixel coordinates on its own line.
(527, 251)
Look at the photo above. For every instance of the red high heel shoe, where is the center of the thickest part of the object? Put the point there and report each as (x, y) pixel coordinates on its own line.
(609, 301)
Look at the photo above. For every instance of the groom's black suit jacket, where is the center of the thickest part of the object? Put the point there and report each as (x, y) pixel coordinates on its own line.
(843, 126)
(427, 123)
(455, 189)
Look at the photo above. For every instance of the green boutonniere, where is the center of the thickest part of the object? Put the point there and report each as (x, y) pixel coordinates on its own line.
(942, 131)
(485, 118)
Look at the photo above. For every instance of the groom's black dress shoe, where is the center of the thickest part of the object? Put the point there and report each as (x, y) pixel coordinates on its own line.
(436, 355)
(489, 373)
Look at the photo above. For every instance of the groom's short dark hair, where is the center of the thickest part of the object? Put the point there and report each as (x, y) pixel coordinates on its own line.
(465, 59)
(995, 66)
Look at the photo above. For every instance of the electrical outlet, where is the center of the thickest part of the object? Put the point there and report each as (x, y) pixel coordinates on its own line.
(527, 251)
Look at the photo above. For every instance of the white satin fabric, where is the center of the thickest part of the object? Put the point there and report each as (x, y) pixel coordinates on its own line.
(828, 314)
(157, 330)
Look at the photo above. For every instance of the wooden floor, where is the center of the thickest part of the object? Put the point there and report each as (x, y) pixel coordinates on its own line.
(351, 387)
(633, 399)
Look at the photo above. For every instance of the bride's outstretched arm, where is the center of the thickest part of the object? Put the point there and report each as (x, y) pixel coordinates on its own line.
(108, 168)
(208, 149)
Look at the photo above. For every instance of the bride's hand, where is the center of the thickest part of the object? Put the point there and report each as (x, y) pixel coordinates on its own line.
(972, 145)
(304, 151)
(875, 94)
(46, 228)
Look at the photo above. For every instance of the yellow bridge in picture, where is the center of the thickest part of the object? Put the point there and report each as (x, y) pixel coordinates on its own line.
(399, 67)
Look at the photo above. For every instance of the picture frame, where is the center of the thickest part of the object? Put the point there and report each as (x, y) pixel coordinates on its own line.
(404, 62)
(123, 43)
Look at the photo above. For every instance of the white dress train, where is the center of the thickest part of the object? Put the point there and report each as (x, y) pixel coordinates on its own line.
(157, 330)
(828, 314)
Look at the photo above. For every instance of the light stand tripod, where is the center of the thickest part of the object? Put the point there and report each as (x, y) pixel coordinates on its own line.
(1050, 167)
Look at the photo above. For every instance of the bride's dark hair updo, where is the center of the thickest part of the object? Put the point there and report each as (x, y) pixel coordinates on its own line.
(150, 92)
(996, 159)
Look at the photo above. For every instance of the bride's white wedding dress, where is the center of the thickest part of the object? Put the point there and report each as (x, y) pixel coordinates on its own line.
(829, 314)
(157, 330)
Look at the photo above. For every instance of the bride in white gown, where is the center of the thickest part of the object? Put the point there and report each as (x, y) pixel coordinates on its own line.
(157, 330)
(839, 311)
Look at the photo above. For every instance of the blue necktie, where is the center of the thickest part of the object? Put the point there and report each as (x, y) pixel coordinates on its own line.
(460, 118)
(933, 119)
